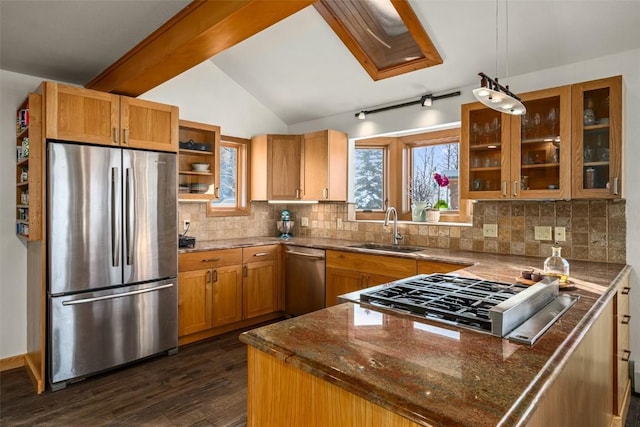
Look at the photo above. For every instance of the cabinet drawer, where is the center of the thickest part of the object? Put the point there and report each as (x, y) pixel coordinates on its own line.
(209, 259)
(260, 253)
(376, 264)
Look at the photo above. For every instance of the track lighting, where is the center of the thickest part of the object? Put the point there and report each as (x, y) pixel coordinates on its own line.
(424, 101)
(498, 97)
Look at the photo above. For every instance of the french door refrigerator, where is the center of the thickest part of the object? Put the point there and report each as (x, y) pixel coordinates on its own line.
(112, 258)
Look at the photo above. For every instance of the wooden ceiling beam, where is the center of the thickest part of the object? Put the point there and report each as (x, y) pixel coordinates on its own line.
(195, 34)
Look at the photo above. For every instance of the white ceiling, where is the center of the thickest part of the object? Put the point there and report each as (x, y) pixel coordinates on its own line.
(300, 70)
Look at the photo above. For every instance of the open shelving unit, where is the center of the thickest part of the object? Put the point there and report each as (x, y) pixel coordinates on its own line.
(199, 143)
(29, 168)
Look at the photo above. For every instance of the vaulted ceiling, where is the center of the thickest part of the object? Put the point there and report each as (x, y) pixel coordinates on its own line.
(300, 69)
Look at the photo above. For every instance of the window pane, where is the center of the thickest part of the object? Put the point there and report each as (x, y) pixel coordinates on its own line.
(428, 160)
(369, 176)
(228, 177)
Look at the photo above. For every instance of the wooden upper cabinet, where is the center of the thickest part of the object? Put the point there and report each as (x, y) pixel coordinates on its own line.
(518, 157)
(148, 125)
(324, 166)
(299, 167)
(84, 115)
(283, 163)
(597, 138)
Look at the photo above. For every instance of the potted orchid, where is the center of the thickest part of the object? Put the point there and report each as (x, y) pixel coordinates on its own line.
(442, 181)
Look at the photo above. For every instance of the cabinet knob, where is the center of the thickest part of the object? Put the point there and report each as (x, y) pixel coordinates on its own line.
(504, 189)
(615, 186)
(116, 135)
(515, 188)
(325, 193)
(211, 259)
(125, 137)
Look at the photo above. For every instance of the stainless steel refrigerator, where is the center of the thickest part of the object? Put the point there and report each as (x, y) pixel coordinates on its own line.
(112, 258)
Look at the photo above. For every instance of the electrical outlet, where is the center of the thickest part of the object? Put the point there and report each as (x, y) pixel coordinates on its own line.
(560, 234)
(304, 221)
(542, 233)
(490, 230)
(185, 224)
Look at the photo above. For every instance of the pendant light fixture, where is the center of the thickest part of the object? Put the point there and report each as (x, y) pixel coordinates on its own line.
(493, 94)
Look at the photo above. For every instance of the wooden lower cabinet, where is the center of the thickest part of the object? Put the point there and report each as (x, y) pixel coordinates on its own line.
(622, 352)
(222, 290)
(194, 302)
(260, 281)
(227, 295)
(348, 272)
(281, 395)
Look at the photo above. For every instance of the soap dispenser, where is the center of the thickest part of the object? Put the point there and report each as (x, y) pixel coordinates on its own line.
(556, 266)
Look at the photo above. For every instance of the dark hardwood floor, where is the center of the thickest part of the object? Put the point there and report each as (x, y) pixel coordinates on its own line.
(203, 385)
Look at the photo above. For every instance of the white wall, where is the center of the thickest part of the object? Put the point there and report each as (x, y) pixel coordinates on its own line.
(627, 64)
(205, 94)
(13, 253)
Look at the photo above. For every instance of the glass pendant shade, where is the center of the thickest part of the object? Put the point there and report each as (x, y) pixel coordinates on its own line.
(499, 101)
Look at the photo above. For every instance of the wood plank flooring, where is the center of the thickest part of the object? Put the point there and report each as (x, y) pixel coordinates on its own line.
(205, 384)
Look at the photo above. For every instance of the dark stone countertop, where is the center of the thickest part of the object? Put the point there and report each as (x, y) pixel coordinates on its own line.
(435, 374)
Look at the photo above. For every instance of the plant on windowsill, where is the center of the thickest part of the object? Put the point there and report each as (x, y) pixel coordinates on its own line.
(442, 181)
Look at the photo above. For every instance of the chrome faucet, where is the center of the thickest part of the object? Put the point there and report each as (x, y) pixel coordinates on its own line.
(396, 236)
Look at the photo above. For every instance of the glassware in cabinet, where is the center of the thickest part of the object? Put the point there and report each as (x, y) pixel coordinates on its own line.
(597, 124)
(483, 146)
(541, 144)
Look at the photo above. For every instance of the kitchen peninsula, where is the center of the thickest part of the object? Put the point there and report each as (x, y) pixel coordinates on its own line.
(351, 365)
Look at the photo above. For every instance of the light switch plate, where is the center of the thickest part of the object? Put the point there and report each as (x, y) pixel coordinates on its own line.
(304, 221)
(490, 230)
(542, 233)
(560, 234)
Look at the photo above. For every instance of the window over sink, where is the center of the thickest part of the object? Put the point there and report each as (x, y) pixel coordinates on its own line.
(397, 171)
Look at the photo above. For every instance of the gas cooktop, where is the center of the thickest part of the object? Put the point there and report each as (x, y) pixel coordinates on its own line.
(490, 306)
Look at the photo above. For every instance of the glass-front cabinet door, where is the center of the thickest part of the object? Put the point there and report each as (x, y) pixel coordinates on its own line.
(597, 126)
(485, 152)
(541, 146)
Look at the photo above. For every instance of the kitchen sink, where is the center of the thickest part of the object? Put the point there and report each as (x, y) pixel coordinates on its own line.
(388, 248)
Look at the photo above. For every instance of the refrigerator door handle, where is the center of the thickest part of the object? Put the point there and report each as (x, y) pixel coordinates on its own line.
(126, 294)
(127, 211)
(115, 229)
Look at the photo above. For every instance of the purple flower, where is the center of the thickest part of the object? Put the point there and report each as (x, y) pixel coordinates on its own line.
(442, 180)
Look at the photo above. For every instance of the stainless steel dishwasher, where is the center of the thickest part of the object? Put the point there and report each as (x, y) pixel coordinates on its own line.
(304, 280)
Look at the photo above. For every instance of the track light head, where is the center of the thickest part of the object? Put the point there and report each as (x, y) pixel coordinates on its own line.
(361, 115)
(426, 100)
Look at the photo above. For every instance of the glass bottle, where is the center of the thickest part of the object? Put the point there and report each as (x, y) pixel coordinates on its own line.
(556, 266)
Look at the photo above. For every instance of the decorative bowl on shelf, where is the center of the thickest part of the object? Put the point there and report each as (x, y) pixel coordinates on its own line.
(200, 167)
(199, 188)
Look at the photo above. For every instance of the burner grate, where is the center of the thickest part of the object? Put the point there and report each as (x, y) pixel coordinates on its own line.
(451, 299)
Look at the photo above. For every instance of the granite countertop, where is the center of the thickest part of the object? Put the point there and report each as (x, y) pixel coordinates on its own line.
(431, 373)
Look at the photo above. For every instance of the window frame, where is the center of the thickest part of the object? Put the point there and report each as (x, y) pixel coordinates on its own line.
(398, 166)
(389, 148)
(243, 206)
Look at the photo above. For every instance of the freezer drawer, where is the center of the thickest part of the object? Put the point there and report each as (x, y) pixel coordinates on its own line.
(95, 331)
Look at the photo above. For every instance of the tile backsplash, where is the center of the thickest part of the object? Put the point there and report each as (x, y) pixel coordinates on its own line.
(595, 229)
